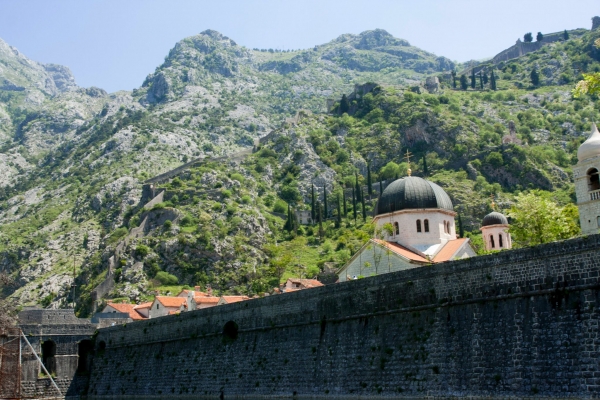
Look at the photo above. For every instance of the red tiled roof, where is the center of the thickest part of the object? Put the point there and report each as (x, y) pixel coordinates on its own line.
(309, 283)
(206, 300)
(127, 309)
(168, 301)
(234, 299)
(449, 250)
(143, 305)
(400, 250)
(173, 312)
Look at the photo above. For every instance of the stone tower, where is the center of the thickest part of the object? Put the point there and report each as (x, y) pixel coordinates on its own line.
(494, 229)
(587, 183)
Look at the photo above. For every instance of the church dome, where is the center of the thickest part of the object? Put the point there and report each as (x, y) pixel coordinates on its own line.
(413, 192)
(591, 147)
(494, 218)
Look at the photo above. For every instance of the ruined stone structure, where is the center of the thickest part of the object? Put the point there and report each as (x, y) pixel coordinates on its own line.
(518, 323)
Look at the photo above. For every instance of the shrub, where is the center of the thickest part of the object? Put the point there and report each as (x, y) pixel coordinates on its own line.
(166, 279)
(187, 221)
(280, 207)
(246, 199)
(142, 251)
(168, 224)
(238, 177)
(226, 193)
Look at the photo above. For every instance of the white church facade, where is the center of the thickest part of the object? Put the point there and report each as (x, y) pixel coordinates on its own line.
(587, 183)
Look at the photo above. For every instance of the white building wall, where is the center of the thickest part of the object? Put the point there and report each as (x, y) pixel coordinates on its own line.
(496, 231)
(374, 259)
(407, 221)
(588, 202)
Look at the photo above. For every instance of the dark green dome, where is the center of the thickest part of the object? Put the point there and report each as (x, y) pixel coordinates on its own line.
(494, 218)
(412, 192)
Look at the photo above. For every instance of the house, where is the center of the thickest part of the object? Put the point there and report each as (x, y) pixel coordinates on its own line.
(128, 309)
(206, 301)
(166, 305)
(415, 221)
(198, 299)
(143, 309)
(293, 284)
(231, 299)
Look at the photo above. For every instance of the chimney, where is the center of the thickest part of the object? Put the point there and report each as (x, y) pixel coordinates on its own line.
(209, 290)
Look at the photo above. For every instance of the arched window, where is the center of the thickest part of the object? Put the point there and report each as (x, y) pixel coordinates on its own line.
(593, 179)
(84, 351)
(492, 241)
(426, 225)
(418, 225)
(48, 356)
(396, 228)
(500, 244)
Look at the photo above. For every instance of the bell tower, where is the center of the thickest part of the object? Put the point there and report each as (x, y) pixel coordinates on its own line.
(587, 183)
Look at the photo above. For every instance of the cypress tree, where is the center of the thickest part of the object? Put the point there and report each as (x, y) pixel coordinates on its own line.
(380, 188)
(345, 206)
(338, 221)
(325, 213)
(354, 205)
(535, 77)
(493, 81)
(312, 203)
(464, 85)
(288, 223)
(425, 169)
(485, 79)
(481, 80)
(319, 217)
(539, 37)
(364, 210)
(473, 80)
(454, 79)
(566, 35)
(461, 231)
(344, 105)
(357, 189)
(369, 183)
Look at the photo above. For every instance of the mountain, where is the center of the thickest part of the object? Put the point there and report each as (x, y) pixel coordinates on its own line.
(74, 160)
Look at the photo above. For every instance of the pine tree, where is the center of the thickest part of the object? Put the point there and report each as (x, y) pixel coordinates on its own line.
(344, 105)
(364, 209)
(325, 213)
(493, 81)
(473, 79)
(464, 84)
(481, 80)
(566, 35)
(338, 221)
(354, 205)
(461, 232)
(369, 183)
(425, 169)
(312, 204)
(535, 77)
(454, 79)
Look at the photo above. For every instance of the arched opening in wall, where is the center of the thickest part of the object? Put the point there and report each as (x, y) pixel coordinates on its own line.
(101, 345)
(418, 225)
(426, 225)
(500, 243)
(230, 331)
(48, 356)
(593, 179)
(396, 228)
(85, 349)
(492, 245)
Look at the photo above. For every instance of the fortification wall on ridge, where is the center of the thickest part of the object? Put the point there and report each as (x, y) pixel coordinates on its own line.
(518, 323)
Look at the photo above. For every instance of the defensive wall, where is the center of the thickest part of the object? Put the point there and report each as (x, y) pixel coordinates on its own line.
(516, 324)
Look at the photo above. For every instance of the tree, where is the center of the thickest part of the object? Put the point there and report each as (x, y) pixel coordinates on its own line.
(364, 209)
(380, 187)
(312, 203)
(535, 77)
(537, 219)
(590, 83)
(338, 220)
(528, 37)
(354, 204)
(464, 84)
(539, 37)
(7, 308)
(481, 80)
(485, 79)
(358, 191)
(425, 169)
(344, 104)
(566, 35)
(453, 79)
(369, 183)
(461, 231)
(493, 81)
(320, 219)
(389, 171)
(325, 213)
(345, 206)
(473, 79)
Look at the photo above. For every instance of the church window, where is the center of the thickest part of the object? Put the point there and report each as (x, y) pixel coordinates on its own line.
(593, 179)
(598, 220)
(492, 245)
(426, 225)
(500, 244)
(396, 228)
(418, 225)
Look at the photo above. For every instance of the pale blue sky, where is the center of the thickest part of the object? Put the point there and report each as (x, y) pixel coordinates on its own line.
(114, 44)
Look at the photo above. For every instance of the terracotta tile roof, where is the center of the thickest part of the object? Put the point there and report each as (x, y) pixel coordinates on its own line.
(401, 250)
(168, 301)
(174, 312)
(143, 305)
(127, 309)
(309, 283)
(206, 300)
(234, 299)
(449, 250)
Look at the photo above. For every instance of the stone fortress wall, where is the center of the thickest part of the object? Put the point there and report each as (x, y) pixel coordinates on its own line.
(520, 323)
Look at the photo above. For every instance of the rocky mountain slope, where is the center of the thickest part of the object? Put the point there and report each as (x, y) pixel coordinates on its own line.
(73, 160)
